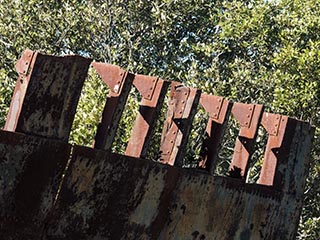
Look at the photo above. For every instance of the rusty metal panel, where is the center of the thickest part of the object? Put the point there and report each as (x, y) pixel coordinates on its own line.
(153, 91)
(111, 196)
(293, 167)
(295, 170)
(93, 194)
(182, 109)
(219, 110)
(30, 173)
(249, 116)
(119, 83)
(46, 94)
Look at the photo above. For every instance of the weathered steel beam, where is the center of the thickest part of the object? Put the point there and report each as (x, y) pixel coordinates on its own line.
(182, 109)
(249, 116)
(119, 82)
(31, 169)
(46, 94)
(153, 92)
(286, 154)
(219, 110)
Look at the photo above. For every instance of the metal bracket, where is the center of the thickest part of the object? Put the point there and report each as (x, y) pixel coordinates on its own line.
(112, 75)
(145, 85)
(23, 64)
(212, 104)
(271, 122)
(276, 127)
(181, 94)
(243, 113)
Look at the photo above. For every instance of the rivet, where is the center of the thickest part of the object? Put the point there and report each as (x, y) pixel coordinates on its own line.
(217, 107)
(246, 123)
(276, 125)
(27, 63)
(185, 93)
(183, 101)
(219, 100)
(151, 88)
(215, 115)
(248, 115)
(153, 80)
(274, 132)
(148, 95)
(171, 141)
(121, 74)
(250, 108)
(180, 112)
(173, 132)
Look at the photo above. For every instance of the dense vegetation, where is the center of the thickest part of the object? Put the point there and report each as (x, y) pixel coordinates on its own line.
(250, 51)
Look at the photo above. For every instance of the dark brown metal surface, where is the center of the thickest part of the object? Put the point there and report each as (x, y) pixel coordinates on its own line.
(182, 109)
(30, 173)
(120, 83)
(219, 110)
(46, 94)
(249, 116)
(110, 196)
(153, 91)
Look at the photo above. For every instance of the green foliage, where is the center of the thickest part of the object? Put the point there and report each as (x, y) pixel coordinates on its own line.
(249, 51)
(90, 107)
